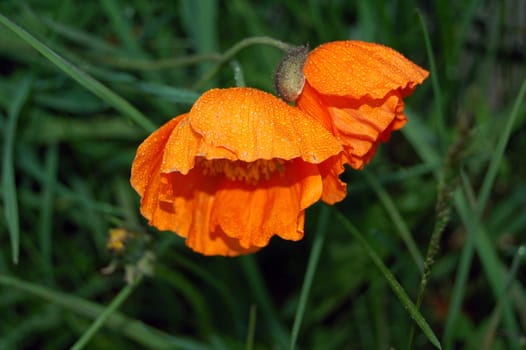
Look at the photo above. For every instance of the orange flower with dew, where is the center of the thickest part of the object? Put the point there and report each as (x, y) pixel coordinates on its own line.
(239, 168)
(356, 90)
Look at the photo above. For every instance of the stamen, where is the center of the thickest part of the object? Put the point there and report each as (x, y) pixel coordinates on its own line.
(249, 172)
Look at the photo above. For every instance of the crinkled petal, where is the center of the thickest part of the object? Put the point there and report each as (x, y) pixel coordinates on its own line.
(312, 103)
(180, 149)
(148, 158)
(176, 202)
(358, 69)
(185, 207)
(254, 213)
(184, 145)
(188, 198)
(359, 124)
(253, 124)
(363, 128)
(149, 182)
(334, 189)
(157, 211)
(217, 243)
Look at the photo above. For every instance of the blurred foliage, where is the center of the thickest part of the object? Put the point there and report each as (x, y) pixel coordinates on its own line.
(66, 156)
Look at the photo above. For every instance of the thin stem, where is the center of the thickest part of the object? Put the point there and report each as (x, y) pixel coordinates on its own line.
(99, 322)
(234, 50)
(239, 78)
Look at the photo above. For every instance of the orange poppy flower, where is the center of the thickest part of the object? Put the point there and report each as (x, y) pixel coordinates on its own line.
(240, 167)
(356, 90)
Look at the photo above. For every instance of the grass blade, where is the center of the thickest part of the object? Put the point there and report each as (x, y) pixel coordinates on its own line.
(420, 136)
(496, 315)
(190, 296)
(10, 197)
(260, 291)
(314, 257)
(81, 77)
(393, 283)
(122, 27)
(478, 239)
(394, 214)
(496, 159)
(169, 93)
(200, 19)
(80, 37)
(473, 220)
(45, 225)
(103, 317)
(251, 328)
(143, 334)
(437, 92)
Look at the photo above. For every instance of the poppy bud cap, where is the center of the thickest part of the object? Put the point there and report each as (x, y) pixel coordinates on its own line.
(289, 78)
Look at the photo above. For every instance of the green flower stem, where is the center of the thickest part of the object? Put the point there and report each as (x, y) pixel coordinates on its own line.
(230, 53)
(99, 322)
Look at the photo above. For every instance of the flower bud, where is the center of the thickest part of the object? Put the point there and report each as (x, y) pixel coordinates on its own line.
(289, 78)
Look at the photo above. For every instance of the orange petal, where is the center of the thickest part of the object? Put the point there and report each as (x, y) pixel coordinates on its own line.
(357, 69)
(253, 124)
(254, 213)
(180, 149)
(188, 199)
(397, 124)
(367, 124)
(149, 182)
(301, 223)
(184, 207)
(311, 102)
(217, 243)
(148, 158)
(176, 202)
(359, 124)
(334, 190)
(194, 197)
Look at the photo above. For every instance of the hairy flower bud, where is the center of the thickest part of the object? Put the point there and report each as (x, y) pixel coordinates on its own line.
(289, 78)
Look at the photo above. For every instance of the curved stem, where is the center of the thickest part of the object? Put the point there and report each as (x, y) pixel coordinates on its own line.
(234, 50)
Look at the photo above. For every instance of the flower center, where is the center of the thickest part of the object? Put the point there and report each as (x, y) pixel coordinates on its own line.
(249, 172)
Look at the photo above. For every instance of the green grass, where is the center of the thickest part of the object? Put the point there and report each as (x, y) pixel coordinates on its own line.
(83, 83)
